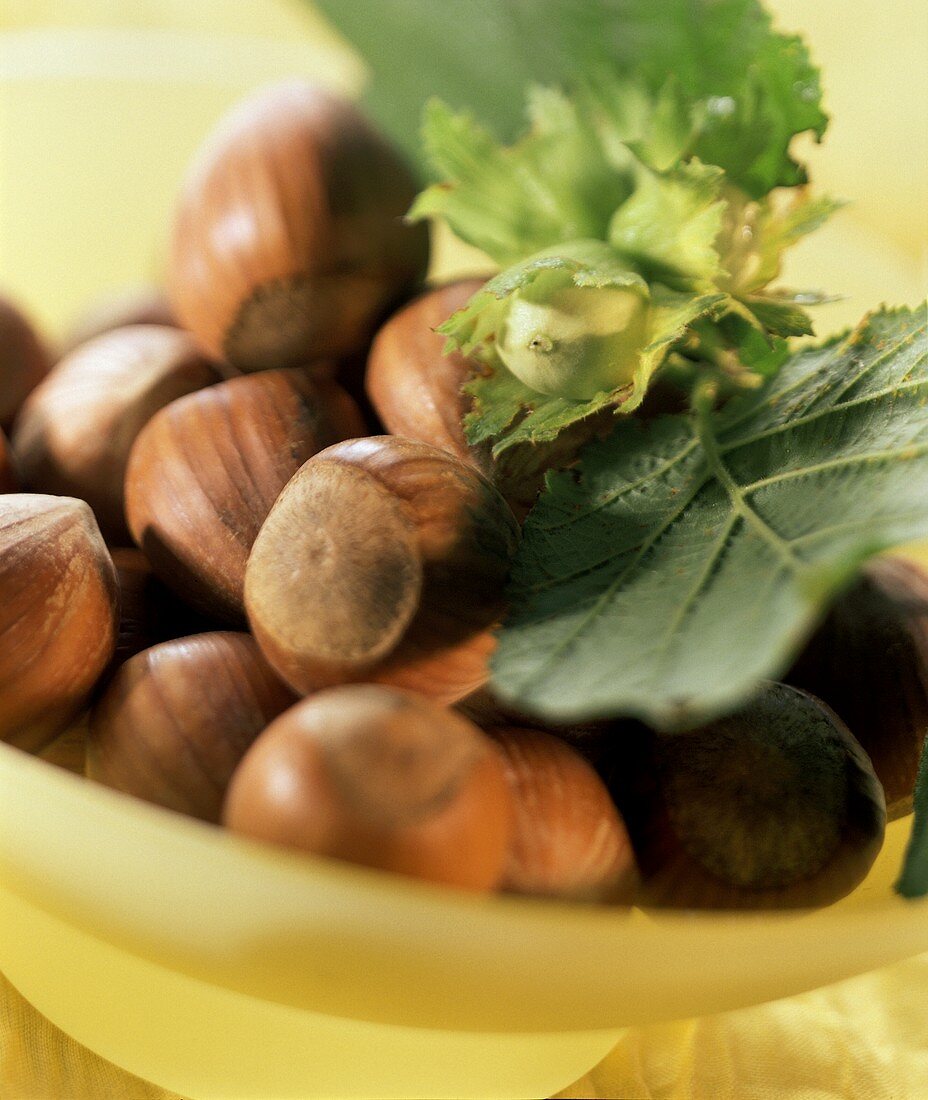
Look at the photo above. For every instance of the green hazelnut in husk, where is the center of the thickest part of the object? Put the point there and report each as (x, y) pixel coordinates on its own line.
(573, 341)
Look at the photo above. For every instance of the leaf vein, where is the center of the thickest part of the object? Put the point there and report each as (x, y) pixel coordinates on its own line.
(616, 583)
(736, 495)
(821, 414)
(910, 451)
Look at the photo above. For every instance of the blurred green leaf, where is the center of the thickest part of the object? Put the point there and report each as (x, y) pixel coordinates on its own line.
(758, 88)
(556, 184)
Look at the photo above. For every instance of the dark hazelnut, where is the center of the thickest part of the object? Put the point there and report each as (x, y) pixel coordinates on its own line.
(24, 361)
(775, 805)
(9, 483)
(869, 663)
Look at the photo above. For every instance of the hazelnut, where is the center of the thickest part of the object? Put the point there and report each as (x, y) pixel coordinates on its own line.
(150, 612)
(413, 385)
(24, 361)
(381, 778)
(289, 239)
(869, 663)
(205, 471)
(134, 305)
(775, 805)
(383, 560)
(9, 483)
(593, 739)
(58, 614)
(74, 433)
(177, 719)
(569, 840)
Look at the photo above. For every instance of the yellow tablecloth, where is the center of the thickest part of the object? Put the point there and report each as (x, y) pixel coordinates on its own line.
(862, 1039)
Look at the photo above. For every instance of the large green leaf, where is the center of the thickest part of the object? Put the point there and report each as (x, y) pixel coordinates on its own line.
(688, 558)
(758, 88)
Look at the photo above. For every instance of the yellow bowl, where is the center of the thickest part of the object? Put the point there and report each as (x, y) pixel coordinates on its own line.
(219, 968)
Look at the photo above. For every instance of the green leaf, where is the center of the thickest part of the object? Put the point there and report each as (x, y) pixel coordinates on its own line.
(758, 88)
(755, 235)
(556, 184)
(913, 882)
(669, 125)
(779, 316)
(668, 228)
(689, 557)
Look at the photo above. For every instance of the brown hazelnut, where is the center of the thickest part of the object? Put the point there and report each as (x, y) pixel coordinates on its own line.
(150, 612)
(177, 719)
(24, 361)
(289, 239)
(869, 663)
(568, 839)
(383, 560)
(381, 778)
(58, 614)
(483, 707)
(74, 433)
(205, 471)
(145, 304)
(9, 483)
(413, 385)
(775, 805)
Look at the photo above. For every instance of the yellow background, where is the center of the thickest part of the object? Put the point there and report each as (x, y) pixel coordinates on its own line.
(103, 101)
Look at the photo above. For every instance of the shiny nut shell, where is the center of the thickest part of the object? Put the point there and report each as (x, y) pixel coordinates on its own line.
(205, 471)
(58, 614)
(413, 385)
(382, 778)
(289, 238)
(177, 719)
(568, 839)
(75, 431)
(383, 560)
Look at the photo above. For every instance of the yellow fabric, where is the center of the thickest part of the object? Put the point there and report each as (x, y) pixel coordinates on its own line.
(863, 1039)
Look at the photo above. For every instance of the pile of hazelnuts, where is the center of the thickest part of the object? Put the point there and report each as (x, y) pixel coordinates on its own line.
(250, 571)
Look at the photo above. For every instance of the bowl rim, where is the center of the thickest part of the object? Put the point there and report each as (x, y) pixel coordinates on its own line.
(360, 943)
